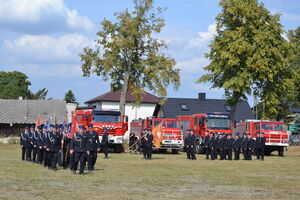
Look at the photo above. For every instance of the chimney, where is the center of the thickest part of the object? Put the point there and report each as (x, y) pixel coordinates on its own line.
(20, 98)
(201, 96)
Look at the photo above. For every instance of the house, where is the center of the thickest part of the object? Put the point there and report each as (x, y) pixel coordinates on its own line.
(111, 101)
(188, 106)
(16, 114)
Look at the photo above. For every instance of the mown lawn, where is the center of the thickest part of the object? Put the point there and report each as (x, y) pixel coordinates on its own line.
(167, 176)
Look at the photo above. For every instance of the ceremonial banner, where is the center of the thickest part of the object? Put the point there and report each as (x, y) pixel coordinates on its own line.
(157, 134)
(74, 126)
(38, 122)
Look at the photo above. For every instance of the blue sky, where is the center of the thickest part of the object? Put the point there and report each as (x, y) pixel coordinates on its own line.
(43, 38)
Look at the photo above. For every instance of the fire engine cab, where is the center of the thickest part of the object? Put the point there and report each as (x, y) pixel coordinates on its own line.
(216, 122)
(275, 133)
(171, 135)
(111, 120)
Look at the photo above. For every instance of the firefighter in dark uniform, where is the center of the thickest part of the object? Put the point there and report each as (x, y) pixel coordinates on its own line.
(186, 141)
(45, 143)
(261, 146)
(229, 146)
(105, 142)
(149, 143)
(143, 144)
(29, 144)
(59, 131)
(244, 146)
(206, 144)
(250, 145)
(66, 146)
(256, 146)
(213, 144)
(23, 142)
(132, 142)
(191, 144)
(78, 147)
(53, 147)
(237, 146)
(35, 141)
(93, 147)
(41, 150)
(222, 146)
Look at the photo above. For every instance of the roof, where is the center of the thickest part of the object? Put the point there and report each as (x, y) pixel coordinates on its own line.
(26, 111)
(172, 108)
(115, 97)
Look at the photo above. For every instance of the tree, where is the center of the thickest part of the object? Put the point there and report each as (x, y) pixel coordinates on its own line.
(13, 85)
(70, 97)
(249, 55)
(129, 56)
(40, 94)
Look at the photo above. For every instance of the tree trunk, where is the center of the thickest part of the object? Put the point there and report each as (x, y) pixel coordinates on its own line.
(123, 94)
(232, 113)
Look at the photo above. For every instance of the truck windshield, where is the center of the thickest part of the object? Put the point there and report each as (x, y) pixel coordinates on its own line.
(106, 118)
(272, 127)
(170, 124)
(218, 124)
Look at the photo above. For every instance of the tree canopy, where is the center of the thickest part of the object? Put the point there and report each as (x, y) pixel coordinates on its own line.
(129, 56)
(70, 97)
(249, 55)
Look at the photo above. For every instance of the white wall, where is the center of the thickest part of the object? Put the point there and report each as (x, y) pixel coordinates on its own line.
(70, 107)
(143, 111)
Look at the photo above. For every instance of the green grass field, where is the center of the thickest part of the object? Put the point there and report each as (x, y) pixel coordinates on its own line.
(167, 176)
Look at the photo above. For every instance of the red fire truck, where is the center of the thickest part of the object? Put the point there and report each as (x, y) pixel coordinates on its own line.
(216, 122)
(116, 124)
(274, 131)
(170, 136)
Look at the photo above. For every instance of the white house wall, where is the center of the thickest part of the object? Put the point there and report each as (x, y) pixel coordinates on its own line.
(143, 111)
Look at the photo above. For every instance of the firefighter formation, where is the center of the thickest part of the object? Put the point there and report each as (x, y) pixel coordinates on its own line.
(59, 147)
(76, 146)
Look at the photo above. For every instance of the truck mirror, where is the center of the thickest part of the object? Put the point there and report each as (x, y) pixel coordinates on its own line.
(126, 119)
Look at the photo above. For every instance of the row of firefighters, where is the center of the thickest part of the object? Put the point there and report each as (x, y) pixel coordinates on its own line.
(225, 145)
(58, 147)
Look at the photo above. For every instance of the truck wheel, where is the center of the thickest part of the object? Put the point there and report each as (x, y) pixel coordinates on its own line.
(175, 151)
(281, 151)
(162, 150)
(198, 147)
(118, 149)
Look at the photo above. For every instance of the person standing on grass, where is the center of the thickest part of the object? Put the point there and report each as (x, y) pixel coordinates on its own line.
(229, 146)
(206, 144)
(213, 144)
(29, 145)
(250, 145)
(143, 144)
(261, 146)
(256, 145)
(149, 143)
(78, 147)
(41, 150)
(222, 146)
(186, 141)
(23, 142)
(35, 141)
(244, 146)
(237, 146)
(53, 147)
(105, 142)
(191, 144)
(93, 147)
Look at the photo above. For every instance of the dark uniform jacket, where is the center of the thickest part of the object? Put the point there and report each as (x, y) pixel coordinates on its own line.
(93, 141)
(104, 141)
(237, 143)
(53, 141)
(250, 143)
(150, 140)
(35, 137)
(260, 142)
(229, 143)
(79, 143)
(222, 143)
(23, 139)
(244, 143)
(29, 139)
(213, 142)
(206, 141)
(42, 139)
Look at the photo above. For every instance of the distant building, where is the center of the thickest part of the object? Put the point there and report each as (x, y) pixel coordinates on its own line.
(188, 106)
(111, 101)
(16, 114)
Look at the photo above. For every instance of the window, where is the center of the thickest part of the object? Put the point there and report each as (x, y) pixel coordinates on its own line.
(257, 127)
(184, 107)
(227, 108)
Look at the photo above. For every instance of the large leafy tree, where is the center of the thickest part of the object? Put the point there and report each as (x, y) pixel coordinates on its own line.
(128, 54)
(248, 54)
(40, 94)
(70, 97)
(13, 85)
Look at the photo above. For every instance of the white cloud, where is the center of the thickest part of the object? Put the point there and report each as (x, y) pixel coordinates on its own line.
(36, 16)
(203, 38)
(35, 49)
(194, 65)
